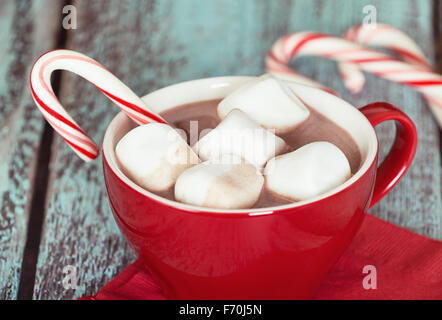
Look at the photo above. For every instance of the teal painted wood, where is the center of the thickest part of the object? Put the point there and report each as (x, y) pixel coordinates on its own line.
(153, 44)
(26, 30)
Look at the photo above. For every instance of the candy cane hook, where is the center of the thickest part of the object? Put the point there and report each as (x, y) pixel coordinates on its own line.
(414, 73)
(395, 40)
(383, 36)
(91, 70)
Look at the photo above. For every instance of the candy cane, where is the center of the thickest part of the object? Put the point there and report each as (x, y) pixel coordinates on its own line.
(383, 36)
(413, 72)
(106, 82)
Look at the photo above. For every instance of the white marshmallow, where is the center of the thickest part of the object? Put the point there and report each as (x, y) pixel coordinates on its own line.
(154, 155)
(225, 183)
(269, 102)
(238, 134)
(308, 171)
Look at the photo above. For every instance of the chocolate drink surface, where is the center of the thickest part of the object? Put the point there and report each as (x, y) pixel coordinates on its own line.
(316, 128)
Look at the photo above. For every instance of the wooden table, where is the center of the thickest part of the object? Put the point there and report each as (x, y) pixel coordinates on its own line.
(54, 210)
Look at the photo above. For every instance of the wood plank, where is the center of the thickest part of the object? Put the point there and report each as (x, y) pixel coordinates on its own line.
(26, 30)
(150, 45)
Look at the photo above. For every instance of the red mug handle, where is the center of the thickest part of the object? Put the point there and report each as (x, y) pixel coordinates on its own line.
(402, 152)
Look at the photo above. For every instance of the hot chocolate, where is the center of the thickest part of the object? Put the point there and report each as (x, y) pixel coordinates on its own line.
(316, 128)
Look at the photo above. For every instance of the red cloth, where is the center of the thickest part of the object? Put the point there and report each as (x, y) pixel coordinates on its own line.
(408, 266)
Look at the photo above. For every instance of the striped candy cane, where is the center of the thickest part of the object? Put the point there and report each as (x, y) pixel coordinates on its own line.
(383, 36)
(106, 82)
(354, 57)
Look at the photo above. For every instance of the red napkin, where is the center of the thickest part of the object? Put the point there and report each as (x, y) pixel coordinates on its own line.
(408, 266)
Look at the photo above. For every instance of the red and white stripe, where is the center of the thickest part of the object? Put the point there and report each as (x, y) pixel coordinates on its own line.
(106, 82)
(381, 36)
(353, 57)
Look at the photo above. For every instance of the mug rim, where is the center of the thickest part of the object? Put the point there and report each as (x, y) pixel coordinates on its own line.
(109, 157)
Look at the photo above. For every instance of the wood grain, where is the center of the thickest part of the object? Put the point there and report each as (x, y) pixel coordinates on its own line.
(156, 43)
(26, 30)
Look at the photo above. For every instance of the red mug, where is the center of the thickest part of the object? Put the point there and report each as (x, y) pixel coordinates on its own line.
(271, 253)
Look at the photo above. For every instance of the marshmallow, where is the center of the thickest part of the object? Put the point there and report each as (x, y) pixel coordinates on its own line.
(225, 183)
(308, 171)
(269, 102)
(154, 155)
(238, 134)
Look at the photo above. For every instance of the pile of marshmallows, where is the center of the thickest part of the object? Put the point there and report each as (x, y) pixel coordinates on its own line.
(228, 167)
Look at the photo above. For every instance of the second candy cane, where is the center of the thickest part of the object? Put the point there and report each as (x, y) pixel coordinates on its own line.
(414, 74)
